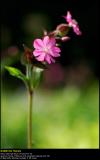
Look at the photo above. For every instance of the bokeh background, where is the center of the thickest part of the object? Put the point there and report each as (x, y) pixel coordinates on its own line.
(66, 104)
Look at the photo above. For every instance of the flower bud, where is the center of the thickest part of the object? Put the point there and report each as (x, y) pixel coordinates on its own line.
(27, 54)
(64, 39)
(45, 33)
(62, 27)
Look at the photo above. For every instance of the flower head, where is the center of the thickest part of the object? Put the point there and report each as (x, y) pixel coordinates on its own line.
(72, 23)
(46, 49)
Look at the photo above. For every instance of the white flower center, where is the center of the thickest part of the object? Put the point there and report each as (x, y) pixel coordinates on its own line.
(46, 50)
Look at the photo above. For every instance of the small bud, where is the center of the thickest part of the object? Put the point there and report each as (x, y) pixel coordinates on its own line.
(64, 39)
(57, 44)
(45, 33)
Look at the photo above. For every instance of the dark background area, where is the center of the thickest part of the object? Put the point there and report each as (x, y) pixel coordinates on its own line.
(86, 13)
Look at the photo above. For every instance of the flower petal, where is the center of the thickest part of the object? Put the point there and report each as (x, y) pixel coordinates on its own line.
(48, 58)
(53, 60)
(46, 40)
(69, 17)
(77, 30)
(74, 22)
(54, 54)
(52, 41)
(38, 43)
(41, 57)
(37, 52)
(57, 49)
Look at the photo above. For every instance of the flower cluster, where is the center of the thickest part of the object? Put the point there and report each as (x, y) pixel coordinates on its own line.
(46, 49)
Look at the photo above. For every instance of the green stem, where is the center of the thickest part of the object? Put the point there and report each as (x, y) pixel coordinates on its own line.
(30, 120)
(30, 97)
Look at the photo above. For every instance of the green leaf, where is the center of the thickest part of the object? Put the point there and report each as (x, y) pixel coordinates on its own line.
(16, 73)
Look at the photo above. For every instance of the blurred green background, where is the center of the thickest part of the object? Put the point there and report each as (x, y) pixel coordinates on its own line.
(64, 118)
(66, 104)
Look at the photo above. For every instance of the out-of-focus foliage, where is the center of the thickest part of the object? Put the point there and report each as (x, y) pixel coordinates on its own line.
(64, 118)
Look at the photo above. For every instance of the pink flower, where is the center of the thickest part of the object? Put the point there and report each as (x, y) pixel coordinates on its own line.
(72, 23)
(46, 49)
